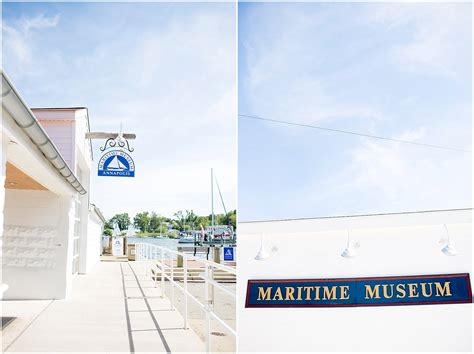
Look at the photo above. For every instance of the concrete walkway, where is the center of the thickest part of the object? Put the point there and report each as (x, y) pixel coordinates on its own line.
(115, 308)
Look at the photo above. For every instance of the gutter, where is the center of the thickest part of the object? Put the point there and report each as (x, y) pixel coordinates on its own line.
(26, 120)
(99, 213)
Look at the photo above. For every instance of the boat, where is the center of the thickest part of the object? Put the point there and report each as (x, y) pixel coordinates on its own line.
(186, 239)
(115, 164)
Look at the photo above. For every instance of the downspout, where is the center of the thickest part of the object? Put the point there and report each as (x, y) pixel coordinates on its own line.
(26, 120)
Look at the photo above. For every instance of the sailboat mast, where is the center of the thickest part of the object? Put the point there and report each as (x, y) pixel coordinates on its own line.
(212, 200)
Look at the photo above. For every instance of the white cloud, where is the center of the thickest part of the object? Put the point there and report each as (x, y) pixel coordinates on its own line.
(288, 68)
(437, 33)
(395, 177)
(27, 24)
(18, 36)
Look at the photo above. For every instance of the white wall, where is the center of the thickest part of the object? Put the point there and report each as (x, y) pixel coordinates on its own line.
(38, 227)
(94, 240)
(3, 174)
(389, 245)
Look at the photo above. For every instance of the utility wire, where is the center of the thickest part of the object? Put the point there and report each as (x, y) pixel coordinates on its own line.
(351, 133)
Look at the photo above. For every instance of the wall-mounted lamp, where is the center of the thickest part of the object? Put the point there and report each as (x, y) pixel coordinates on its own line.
(351, 248)
(262, 253)
(448, 249)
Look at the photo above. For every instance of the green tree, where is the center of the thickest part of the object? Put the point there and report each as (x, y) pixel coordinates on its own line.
(191, 218)
(142, 221)
(164, 228)
(154, 222)
(203, 220)
(108, 227)
(179, 220)
(122, 220)
(228, 219)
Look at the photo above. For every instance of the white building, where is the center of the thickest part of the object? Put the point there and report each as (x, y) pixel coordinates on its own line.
(400, 244)
(50, 229)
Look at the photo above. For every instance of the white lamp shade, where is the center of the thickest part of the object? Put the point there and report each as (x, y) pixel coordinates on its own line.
(262, 254)
(449, 250)
(349, 252)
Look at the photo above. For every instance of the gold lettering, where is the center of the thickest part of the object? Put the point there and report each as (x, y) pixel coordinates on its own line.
(329, 294)
(264, 295)
(316, 296)
(372, 293)
(385, 291)
(413, 290)
(423, 289)
(344, 292)
(308, 292)
(441, 290)
(401, 292)
(289, 293)
(278, 293)
(298, 297)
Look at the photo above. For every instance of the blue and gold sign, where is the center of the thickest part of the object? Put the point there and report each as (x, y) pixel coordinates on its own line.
(116, 163)
(379, 291)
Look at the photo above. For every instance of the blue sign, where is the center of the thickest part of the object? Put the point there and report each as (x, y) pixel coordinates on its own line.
(381, 291)
(116, 163)
(228, 253)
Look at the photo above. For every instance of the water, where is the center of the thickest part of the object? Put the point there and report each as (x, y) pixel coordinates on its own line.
(170, 243)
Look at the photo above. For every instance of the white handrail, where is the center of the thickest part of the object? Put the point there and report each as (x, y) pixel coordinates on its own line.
(147, 253)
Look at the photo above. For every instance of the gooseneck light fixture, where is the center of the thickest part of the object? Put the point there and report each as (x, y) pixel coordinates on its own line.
(448, 249)
(262, 252)
(351, 248)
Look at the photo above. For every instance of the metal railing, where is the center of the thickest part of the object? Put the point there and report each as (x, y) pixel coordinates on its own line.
(154, 258)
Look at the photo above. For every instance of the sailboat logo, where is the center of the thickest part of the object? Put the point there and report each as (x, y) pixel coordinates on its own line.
(228, 254)
(116, 163)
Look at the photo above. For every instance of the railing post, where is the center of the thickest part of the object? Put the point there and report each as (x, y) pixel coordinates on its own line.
(154, 266)
(185, 279)
(148, 256)
(208, 314)
(172, 280)
(162, 252)
(212, 288)
(145, 257)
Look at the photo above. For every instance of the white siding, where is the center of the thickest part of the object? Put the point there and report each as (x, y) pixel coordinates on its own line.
(94, 240)
(61, 134)
(38, 228)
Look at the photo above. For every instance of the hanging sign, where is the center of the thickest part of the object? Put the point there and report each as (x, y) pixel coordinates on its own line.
(116, 163)
(379, 291)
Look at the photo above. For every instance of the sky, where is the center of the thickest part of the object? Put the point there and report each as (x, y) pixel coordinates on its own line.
(165, 71)
(401, 71)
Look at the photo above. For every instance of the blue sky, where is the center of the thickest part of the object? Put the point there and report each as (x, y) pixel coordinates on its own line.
(166, 71)
(397, 70)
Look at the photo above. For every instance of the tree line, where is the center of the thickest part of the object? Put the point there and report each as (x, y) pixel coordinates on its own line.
(153, 223)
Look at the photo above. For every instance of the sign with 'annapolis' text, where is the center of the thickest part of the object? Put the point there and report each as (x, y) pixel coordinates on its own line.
(116, 163)
(376, 291)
